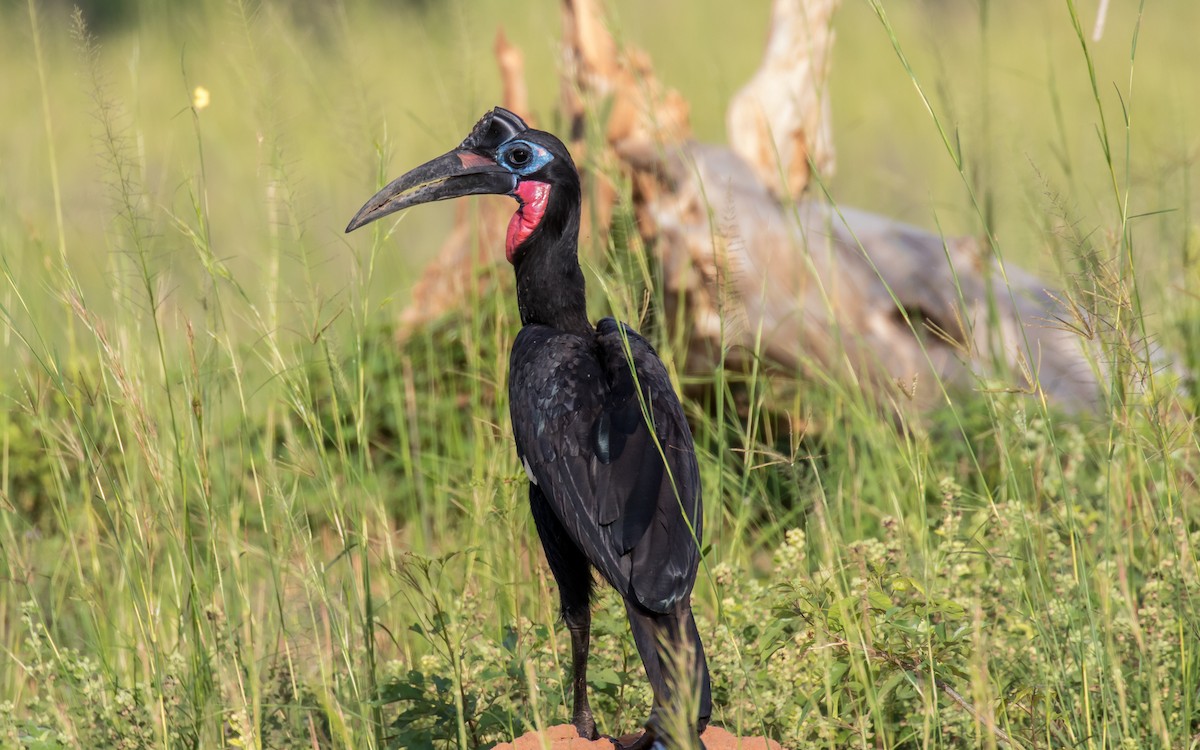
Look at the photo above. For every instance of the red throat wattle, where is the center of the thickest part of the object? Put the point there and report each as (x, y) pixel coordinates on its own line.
(533, 197)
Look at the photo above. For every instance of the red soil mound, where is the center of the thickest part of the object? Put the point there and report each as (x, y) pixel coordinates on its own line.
(564, 737)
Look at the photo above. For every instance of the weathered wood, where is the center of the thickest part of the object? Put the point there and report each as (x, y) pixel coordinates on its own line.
(780, 121)
(843, 292)
(817, 289)
(759, 269)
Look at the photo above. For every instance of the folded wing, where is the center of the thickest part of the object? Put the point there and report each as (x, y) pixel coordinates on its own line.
(600, 429)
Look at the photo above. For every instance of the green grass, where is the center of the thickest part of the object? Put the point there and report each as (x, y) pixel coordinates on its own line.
(235, 513)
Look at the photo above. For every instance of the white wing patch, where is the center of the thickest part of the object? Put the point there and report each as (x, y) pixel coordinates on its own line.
(528, 471)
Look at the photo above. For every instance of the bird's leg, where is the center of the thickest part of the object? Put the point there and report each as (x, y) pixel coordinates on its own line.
(652, 633)
(692, 632)
(579, 622)
(573, 573)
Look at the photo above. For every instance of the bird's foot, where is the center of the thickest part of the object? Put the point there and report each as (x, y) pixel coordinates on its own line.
(645, 741)
(649, 740)
(585, 725)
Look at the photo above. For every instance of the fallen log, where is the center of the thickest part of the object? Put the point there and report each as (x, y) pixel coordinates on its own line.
(809, 285)
(758, 267)
(826, 290)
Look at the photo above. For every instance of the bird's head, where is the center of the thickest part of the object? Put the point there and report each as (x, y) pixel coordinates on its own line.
(501, 156)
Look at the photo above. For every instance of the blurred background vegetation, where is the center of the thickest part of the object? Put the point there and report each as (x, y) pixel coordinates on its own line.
(235, 513)
(313, 88)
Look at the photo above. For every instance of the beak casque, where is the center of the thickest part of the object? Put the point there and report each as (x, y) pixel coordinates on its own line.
(457, 173)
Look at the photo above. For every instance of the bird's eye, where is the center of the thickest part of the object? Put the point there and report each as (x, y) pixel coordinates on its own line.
(522, 157)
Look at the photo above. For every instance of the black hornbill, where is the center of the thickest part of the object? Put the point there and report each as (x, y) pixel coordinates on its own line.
(613, 481)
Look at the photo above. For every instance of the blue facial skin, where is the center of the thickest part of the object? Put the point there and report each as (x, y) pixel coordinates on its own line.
(531, 156)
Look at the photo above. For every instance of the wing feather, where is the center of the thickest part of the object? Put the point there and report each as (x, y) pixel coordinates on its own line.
(609, 446)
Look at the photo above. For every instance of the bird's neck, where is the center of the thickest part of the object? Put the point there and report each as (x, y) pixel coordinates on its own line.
(550, 285)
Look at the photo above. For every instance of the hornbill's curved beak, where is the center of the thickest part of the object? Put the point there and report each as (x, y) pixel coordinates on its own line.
(460, 172)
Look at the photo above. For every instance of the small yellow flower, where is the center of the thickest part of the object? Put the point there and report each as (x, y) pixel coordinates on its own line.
(200, 98)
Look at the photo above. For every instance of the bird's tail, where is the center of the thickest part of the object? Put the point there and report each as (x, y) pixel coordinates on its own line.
(673, 655)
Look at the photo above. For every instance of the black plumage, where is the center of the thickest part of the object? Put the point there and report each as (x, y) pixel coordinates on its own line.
(579, 417)
(614, 482)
